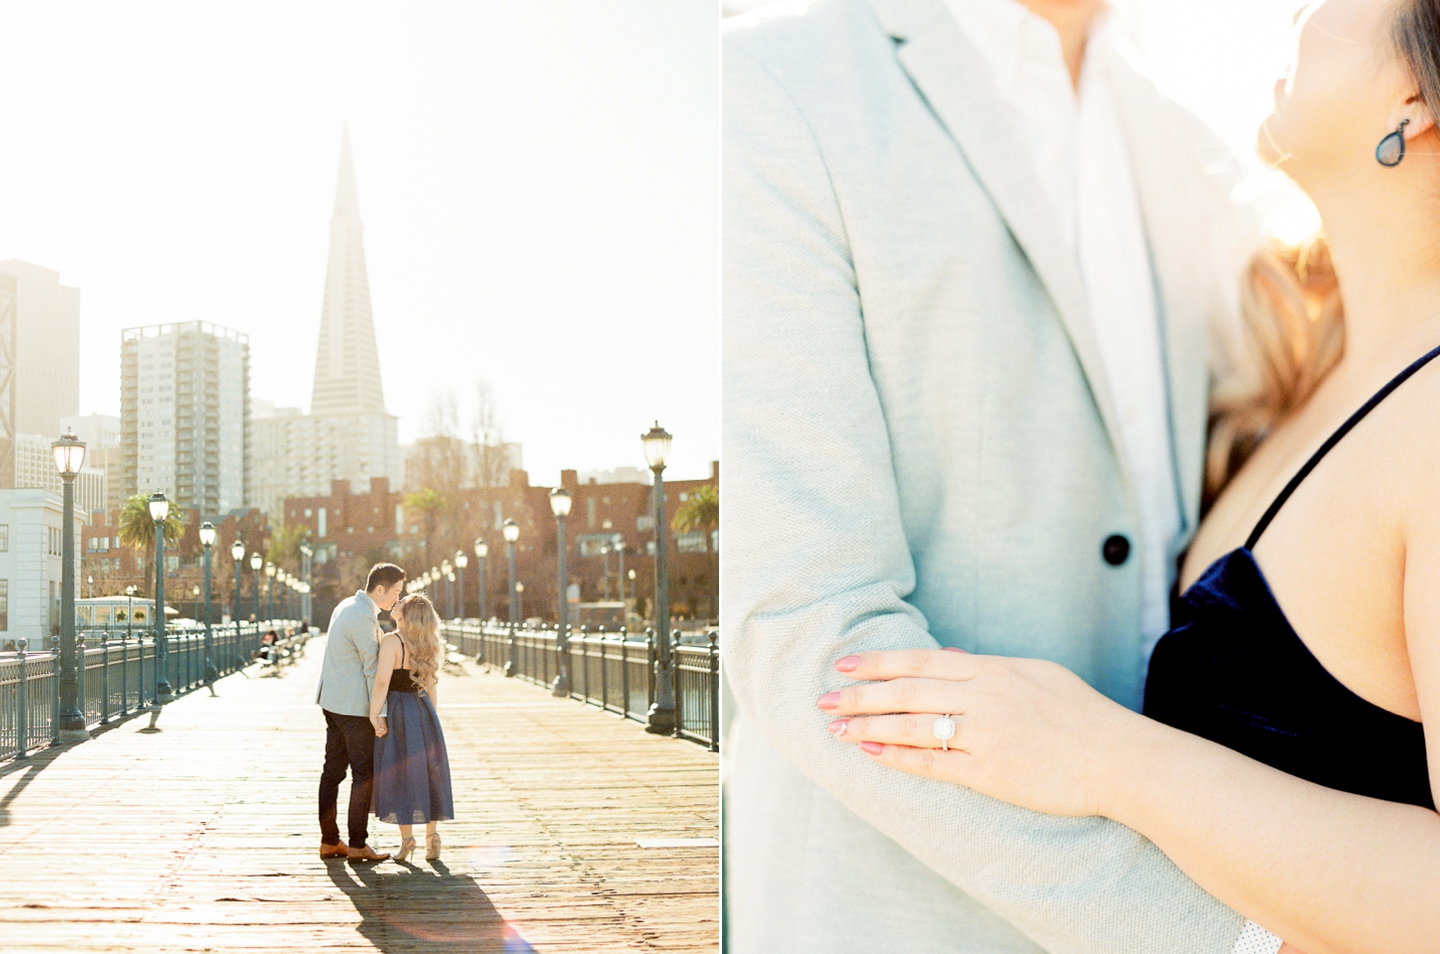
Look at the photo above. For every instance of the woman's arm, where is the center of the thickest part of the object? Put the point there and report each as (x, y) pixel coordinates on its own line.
(1331, 872)
(430, 688)
(386, 659)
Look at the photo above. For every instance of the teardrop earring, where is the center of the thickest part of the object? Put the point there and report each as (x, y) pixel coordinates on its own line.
(1392, 148)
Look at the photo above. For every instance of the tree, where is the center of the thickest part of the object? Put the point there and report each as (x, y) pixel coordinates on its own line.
(701, 513)
(492, 458)
(285, 542)
(137, 530)
(431, 505)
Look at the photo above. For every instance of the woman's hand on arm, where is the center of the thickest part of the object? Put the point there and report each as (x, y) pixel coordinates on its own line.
(1287, 853)
(1027, 731)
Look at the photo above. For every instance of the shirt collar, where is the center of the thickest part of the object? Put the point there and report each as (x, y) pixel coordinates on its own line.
(362, 596)
(1010, 37)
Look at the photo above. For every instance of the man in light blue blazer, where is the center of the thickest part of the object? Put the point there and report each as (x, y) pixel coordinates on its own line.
(347, 675)
(979, 276)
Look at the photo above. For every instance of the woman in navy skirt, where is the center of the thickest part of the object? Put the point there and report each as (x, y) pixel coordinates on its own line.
(412, 769)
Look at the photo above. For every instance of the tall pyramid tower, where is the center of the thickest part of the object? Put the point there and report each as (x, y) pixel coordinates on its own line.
(347, 436)
(347, 365)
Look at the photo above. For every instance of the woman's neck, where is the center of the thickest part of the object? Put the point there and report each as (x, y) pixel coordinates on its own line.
(1387, 259)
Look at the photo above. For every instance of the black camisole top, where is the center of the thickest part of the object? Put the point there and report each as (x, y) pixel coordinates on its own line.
(1234, 671)
(400, 678)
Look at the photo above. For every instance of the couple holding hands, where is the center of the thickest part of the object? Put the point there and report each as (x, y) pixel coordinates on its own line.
(378, 693)
(1010, 373)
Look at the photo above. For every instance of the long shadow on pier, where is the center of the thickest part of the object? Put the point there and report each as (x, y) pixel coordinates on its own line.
(418, 909)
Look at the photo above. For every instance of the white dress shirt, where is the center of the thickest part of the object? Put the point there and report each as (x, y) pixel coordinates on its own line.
(1078, 148)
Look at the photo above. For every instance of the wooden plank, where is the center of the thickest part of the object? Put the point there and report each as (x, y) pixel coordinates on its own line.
(203, 837)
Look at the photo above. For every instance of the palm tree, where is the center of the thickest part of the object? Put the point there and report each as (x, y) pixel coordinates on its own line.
(701, 513)
(137, 530)
(285, 541)
(430, 504)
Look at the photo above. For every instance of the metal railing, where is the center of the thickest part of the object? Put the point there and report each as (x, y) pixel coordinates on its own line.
(117, 677)
(616, 671)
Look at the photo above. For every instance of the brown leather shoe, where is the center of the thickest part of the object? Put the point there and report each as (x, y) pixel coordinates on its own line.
(367, 854)
(337, 850)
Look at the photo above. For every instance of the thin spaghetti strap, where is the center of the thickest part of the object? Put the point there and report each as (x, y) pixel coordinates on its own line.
(1335, 438)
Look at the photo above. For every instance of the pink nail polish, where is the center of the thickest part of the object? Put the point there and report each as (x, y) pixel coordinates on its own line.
(838, 727)
(847, 664)
(871, 748)
(831, 700)
(952, 649)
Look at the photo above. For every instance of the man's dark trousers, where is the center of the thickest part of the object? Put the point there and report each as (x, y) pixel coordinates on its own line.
(349, 741)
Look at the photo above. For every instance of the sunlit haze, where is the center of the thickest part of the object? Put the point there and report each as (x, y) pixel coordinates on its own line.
(538, 183)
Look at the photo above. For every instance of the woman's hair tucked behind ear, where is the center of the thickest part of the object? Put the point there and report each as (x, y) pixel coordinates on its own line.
(1295, 326)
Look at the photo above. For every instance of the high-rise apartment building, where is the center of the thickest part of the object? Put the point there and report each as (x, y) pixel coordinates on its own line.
(185, 414)
(348, 435)
(47, 346)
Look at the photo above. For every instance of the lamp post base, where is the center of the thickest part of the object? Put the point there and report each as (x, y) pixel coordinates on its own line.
(73, 735)
(660, 721)
(560, 687)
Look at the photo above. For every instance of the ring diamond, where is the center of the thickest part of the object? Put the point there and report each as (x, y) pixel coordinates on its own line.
(944, 730)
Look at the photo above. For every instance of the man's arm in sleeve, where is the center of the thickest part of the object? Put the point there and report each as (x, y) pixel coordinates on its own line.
(816, 565)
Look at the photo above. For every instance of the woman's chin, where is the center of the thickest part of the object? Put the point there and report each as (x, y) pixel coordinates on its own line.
(1266, 149)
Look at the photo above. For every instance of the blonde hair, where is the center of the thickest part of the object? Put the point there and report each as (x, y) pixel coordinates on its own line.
(419, 627)
(1294, 324)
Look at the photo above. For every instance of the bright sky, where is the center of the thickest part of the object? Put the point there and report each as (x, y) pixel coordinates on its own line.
(538, 180)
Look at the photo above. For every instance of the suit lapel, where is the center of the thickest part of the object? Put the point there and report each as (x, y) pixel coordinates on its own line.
(1174, 223)
(951, 76)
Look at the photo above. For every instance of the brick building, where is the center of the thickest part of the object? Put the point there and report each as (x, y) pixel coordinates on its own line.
(351, 531)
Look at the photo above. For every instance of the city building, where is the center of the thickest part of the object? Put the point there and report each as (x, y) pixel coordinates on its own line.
(35, 467)
(47, 349)
(348, 434)
(31, 565)
(185, 414)
(351, 530)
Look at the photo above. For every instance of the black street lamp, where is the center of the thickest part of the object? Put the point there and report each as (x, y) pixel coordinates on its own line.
(619, 544)
(129, 611)
(208, 536)
(256, 562)
(661, 719)
(305, 556)
(461, 562)
(69, 456)
(510, 530)
(605, 570)
(482, 550)
(270, 587)
(159, 511)
(560, 502)
(237, 553)
(447, 573)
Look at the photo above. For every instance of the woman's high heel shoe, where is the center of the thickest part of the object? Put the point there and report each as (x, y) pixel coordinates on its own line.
(406, 846)
(432, 847)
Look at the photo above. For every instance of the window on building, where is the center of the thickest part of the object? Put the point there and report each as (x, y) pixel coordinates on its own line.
(690, 542)
(4, 537)
(4, 605)
(590, 512)
(399, 518)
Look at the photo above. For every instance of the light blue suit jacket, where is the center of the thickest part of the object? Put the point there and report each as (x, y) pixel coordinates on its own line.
(352, 649)
(921, 450)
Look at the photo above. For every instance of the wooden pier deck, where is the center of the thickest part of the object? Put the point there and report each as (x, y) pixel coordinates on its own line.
(203, 837)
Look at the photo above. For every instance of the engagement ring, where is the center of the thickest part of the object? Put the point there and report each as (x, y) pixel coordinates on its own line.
(944, 730)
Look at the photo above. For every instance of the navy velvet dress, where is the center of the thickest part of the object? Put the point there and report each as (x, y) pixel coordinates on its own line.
(1233, 670)
(412, 766)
